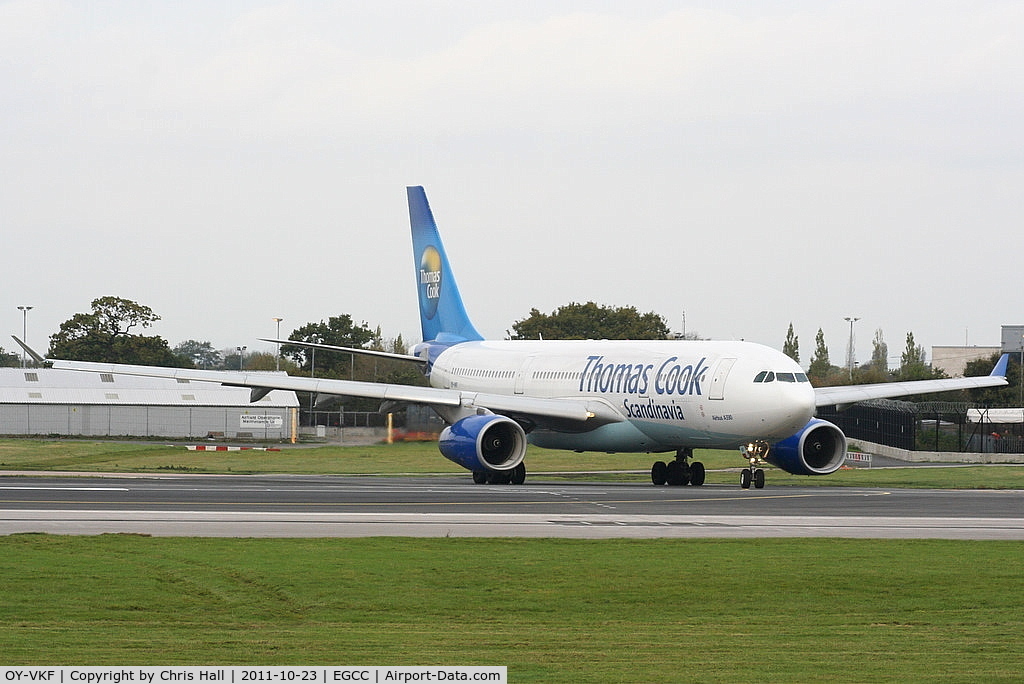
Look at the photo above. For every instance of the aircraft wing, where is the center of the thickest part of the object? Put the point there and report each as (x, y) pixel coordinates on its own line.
(590, 413)
(844, 395)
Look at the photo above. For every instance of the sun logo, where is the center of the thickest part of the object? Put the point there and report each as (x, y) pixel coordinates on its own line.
(430, 281)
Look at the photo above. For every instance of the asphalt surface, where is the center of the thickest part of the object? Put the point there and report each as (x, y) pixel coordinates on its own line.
(305, 506)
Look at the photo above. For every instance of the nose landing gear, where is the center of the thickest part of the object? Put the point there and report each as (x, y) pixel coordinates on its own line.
(679, 472)
(754, 452)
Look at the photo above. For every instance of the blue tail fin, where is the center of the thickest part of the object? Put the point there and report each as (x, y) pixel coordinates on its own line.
(442, 315)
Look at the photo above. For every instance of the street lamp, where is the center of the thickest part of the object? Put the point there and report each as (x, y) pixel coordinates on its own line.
(1022, 371)
(277, 365)
(241, 351)
(24, 329)
(849, 348)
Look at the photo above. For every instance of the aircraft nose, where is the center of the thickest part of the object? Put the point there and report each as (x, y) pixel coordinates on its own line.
(796, 402)
(807, 397)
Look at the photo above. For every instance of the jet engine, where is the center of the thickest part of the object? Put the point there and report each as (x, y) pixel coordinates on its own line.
(818, 449)
(484, 442)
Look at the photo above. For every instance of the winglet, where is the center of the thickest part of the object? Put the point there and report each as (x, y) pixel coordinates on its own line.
(1000, 370)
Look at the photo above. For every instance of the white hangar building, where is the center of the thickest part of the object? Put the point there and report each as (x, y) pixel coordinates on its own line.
(43, 401)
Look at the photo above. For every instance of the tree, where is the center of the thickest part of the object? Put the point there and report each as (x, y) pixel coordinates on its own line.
(1007, 396)
(232, 358)
(265, 361)
(913, 365)
(338, 331)
(200, 354)
(589, 321)
(821, 372)
(913, 354)
(105, 335)
(791, 347)
(392, 371)
(820, 369)
(9, 359)
(879, 353)
(877, 369)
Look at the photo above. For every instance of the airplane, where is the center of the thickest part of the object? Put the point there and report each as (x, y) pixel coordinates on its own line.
(497, 397)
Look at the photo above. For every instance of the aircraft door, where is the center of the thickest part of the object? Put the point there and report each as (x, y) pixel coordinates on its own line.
(521, 373)
(718, 379)
(449, 374)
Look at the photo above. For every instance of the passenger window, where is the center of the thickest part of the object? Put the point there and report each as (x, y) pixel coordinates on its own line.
(760, 376)
(785, 377)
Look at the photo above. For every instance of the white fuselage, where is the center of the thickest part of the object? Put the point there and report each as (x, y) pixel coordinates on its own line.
(672, 394)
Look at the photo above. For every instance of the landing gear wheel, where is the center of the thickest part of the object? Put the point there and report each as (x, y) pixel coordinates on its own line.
(697, 474)
(677, 474)
(519, 474)
(758, 479)
(745, 478)
(479, 477)
(659, 473)
(498, 477)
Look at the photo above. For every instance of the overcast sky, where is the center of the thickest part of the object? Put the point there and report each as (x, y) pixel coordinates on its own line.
(752, 164)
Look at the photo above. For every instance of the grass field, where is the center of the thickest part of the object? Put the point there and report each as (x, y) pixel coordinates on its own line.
(423, 457)
(551, 610)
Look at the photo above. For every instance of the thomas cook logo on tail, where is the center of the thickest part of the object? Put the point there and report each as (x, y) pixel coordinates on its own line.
(430, 281)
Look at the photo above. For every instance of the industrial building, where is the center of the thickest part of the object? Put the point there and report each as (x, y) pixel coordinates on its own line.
(43, 401)
(953, 359)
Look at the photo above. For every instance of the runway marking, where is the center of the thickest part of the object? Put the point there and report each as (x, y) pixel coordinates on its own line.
(71, 489)
(437, 504)
(566, 496)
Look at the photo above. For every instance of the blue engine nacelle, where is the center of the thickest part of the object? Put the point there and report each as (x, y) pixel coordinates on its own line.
(486, 442)
(818, 449)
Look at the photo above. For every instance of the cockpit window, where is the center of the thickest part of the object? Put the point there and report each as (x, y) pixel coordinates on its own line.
(769, 376)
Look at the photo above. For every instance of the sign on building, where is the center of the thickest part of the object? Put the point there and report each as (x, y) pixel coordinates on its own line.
(260, 422)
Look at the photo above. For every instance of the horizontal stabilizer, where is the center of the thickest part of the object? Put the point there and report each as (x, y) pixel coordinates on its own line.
(349, 350)
(29, 350)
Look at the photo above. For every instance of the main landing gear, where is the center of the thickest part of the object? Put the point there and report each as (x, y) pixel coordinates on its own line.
(679, 472)
(516, 476)
(754, 453)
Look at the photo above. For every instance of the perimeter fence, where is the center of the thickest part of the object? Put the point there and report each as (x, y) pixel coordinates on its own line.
(926, 426)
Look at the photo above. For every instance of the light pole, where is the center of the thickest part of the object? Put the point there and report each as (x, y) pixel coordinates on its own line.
(24, 329)
(277, 364)
(849, 348)
(1022, 371)
(241, 351)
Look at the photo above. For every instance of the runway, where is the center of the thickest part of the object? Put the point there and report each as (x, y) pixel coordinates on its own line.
(328, 506)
